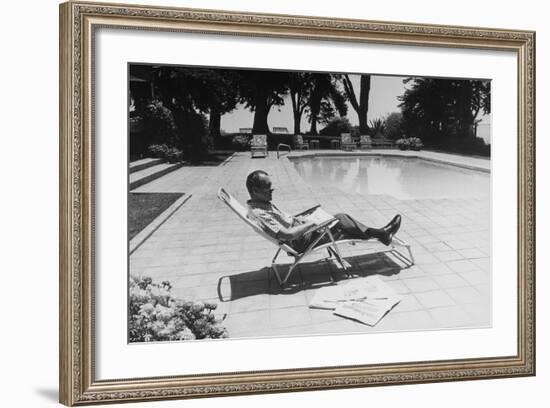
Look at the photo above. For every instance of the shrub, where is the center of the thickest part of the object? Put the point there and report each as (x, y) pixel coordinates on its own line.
(173, 155)
(170, 154)
(158, 151)
(415, 143)
(377, 127)
(193, 134)
(241, 142)
(156, 316)
(394, 125)
(159, 124)
(403, 143)
(336, 127)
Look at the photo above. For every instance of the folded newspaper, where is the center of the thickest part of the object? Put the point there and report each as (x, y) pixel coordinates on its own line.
(318, 216)
(364, 299)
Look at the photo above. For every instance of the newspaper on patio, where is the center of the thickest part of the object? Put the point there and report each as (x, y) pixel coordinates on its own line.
(364, 299)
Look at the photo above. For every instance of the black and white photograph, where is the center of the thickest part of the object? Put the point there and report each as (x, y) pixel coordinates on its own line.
(272, 203)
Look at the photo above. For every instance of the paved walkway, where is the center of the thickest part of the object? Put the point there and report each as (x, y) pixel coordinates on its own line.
(208, 253)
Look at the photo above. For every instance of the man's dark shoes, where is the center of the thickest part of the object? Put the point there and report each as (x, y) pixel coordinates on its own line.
(390, 229)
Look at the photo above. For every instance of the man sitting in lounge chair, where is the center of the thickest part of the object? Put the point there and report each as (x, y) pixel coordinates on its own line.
(294, 230)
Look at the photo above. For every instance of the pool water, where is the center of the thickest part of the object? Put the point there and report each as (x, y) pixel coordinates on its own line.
(400, 177)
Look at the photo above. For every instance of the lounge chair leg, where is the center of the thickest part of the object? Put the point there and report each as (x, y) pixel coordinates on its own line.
(336, 252)
(275, 269)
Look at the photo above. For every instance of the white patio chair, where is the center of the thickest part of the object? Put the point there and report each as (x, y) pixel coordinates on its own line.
(258, 144)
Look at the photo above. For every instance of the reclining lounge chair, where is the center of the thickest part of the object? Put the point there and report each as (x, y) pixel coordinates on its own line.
(323, 229)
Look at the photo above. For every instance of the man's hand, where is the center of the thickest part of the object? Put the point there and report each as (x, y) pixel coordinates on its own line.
(301, 219)
(289, 234)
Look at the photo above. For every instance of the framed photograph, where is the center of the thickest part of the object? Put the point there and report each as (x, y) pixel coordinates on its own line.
(255, 203)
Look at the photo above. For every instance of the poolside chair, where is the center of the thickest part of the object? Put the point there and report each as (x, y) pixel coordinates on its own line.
(323, 229)
(258, 145)
(346, 142)
(298, 142)
(365, 142)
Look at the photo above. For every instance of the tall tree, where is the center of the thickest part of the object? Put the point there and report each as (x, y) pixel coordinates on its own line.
(300, 86)
(361, 105)
(325, 100)
(191, 93)
(436, 108)
(224, 100)
(260, 91)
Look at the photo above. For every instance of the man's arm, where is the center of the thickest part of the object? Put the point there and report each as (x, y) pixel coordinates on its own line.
(289, 234)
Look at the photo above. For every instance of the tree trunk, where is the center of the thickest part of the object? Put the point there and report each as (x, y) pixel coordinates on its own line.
(215, 123)
(296, 111)
(297, 120)
(315, 108)
(364, 104)
(260, 114)
(313, 129)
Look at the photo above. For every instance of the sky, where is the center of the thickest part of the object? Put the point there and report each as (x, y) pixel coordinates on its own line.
(382, 101)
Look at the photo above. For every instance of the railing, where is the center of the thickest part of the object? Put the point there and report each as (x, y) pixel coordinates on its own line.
(280, 145)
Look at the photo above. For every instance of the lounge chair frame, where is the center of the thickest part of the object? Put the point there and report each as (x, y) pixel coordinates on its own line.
(406, 257)
(298, 142)
(346, 142)
(258, 145)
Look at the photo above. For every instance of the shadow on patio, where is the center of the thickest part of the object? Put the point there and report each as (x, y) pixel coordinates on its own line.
(309, 275)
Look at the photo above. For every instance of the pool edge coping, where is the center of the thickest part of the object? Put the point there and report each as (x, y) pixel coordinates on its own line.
(474, 167)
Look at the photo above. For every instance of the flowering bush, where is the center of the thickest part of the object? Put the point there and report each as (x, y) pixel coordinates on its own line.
(403, 143)
(174, 155)
(170, 154)
(415, 143)
(158, 151)
(156, 316)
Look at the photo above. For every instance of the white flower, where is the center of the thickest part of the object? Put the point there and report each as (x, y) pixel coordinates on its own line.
(186, 334)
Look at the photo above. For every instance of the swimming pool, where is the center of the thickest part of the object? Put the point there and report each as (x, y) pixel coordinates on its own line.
(404, 178)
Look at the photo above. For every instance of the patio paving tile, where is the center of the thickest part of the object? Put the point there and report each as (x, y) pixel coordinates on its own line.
(465, 295)
(289, 317)
(451, 280)
(254, 321)
(452, 316)
(409, 303)
(424, 284)
(436, 298)
(417, 320)
(479, 312)
(462, 266)
(476, 277)
(446, 256)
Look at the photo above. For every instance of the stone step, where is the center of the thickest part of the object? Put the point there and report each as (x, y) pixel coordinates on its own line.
(149, 174)
(142, 164)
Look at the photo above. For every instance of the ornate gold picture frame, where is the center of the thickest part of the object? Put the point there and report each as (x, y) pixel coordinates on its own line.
(79, 383)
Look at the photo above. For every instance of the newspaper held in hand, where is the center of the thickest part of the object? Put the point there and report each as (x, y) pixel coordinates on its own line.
(318, 216)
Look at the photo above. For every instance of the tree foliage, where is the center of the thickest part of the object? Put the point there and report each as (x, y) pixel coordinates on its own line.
(394, 125)
(326, 100)
(260, 91)
(336, 127)
(444, 110)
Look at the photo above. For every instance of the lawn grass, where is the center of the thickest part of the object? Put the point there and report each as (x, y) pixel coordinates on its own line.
(145, 207)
